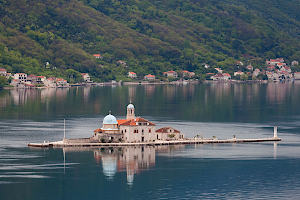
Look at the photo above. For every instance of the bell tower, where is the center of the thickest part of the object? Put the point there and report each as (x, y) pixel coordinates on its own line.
(130, 112)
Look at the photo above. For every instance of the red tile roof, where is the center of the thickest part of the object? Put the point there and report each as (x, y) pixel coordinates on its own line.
(165, 130)
(132, 73)
(2, 70)
(226, 74)
(132, 122)
(149, 75)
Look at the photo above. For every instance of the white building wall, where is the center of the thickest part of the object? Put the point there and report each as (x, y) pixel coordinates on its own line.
(148, 132)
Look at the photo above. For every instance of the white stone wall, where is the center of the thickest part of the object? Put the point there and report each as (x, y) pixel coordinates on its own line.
(142, 131)
(166, 135)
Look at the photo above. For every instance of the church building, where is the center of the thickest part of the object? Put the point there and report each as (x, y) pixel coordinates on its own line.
(131, 129)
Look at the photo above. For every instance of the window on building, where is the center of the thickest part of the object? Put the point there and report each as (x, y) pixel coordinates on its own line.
(149, 130)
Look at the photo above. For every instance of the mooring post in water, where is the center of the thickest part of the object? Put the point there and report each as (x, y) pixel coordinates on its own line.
(275, 132)
(64, 129)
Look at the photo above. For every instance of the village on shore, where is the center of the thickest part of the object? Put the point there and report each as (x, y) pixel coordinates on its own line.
(274, 70)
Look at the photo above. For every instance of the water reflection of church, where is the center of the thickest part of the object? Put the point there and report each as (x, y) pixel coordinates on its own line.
(131, 160)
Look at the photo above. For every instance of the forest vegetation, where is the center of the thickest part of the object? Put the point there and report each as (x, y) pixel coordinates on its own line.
(150, 36)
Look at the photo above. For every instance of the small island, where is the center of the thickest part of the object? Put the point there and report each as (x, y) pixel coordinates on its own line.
(137, 131)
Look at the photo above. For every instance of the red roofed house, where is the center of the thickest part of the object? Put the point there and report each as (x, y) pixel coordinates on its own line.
(217, 77)
(274, 61)
(32, 78)
(98, 56)
(3, 72)
(168, 133)
(270, 68)
(41, 79)
(171, 74)
(226, 76)
(238, 73)
(281, 65)
(60, 82)
(21, 77)
(287, 69)
(221, 77)
(250, 67)
(50, 82)
(131, 129)
(186, 73)
(86, 77)
(132, 75)
(149, 77)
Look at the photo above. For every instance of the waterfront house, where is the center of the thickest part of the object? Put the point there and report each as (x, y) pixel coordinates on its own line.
(41, 79)
(256, 72)
(149, 77)
(21, 77)
(217, 77)
(221, 77)
(86, 77)
(188, 74)
(168, 133)
(98, 56)
(226, 76)
(238, 73)
(50, 82)
(132, 75)
(32, 78)
(171, 74)
(60, 82)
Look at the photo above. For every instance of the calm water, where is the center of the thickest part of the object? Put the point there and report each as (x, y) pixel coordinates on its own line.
(220, 171)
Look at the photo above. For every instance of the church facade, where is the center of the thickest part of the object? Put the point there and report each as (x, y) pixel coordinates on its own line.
(131, 129)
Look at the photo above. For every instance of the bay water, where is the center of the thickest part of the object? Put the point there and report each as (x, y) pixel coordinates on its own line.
(268, 170)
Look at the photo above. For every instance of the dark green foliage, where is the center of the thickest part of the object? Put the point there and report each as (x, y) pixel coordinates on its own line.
(151, 36)
(3, 82)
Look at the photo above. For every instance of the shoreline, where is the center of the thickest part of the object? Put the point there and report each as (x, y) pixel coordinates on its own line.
(154, 83)
(60, 144)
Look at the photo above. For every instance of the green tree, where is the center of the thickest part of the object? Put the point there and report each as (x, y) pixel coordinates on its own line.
(3, 82)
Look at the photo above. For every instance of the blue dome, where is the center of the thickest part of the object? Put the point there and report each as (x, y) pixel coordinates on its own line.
(110, 119)
(130, 106)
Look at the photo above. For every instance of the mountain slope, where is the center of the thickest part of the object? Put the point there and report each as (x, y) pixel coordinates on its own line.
(151, 36)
